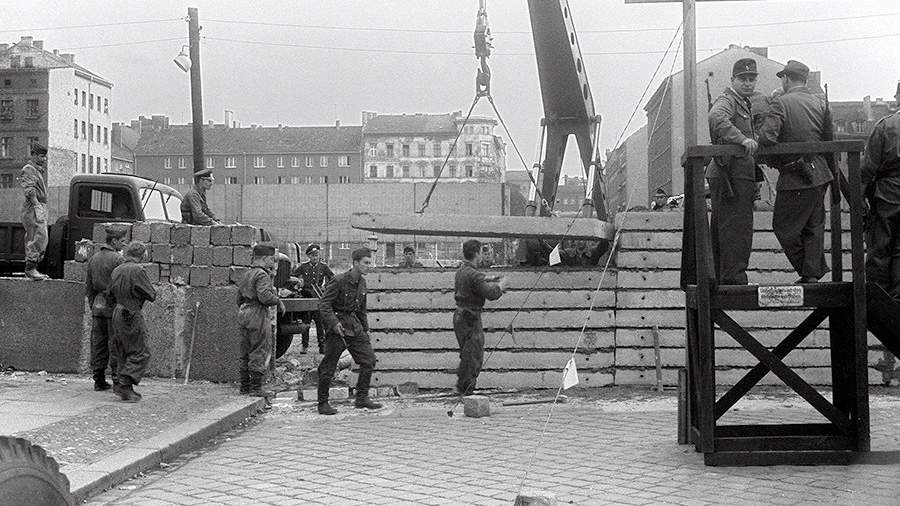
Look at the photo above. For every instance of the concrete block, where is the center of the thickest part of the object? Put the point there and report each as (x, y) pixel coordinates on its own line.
(203, 255)
(84, 249)
(312, 394)
(222, 255)
(180, 275)
(535, 498)
(74, 271)
(237, 273)
(243, 235)
(200, 236)
(140, 231)
(183, 255)
(243, 255)
(199, 276)
(408, 388)
(161, 253)
(476, 406)
(152, 271)
(219, 276)
(181, 235)
(220, 235)
(161, 233)
(384, 391)
(99, 232)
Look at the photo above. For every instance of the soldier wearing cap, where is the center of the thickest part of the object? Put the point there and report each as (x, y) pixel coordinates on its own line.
(799, 115)
(34, 209)
(732, 179)
(315, 275)
(881, 187)
(256, 300)
(409, 258)
(194, 210)
(96, 287)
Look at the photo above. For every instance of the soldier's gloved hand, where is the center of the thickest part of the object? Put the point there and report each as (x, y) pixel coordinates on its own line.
(281, 308)
(340, 329)
(504, 284)
(750, 146)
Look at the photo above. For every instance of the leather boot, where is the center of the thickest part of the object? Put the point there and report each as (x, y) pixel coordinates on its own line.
(127, 394)
(322, 396)
(245, 382)
(256, 389)
(100, 383)
(34, 274)
(362, 392)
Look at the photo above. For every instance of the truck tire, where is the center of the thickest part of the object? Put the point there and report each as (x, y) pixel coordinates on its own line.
(55, 257)
(29, 477)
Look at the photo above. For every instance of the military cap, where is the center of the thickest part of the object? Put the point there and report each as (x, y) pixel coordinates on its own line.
(203, 173)
(38, 149)
(312, 247)
(263, 250)
(744, 66)
(409, 249)
(794, 68)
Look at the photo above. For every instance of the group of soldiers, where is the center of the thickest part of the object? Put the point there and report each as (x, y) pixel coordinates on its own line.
(795, 114)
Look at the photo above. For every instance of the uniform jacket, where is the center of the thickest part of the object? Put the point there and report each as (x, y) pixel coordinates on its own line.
(731, 122)
(97, 278)
(256, 294)
(194, 210)
(796, 116)
(881, 168)
(130, 286)
(344, 302)
(318, 275)
(472, 289)
(32, 183)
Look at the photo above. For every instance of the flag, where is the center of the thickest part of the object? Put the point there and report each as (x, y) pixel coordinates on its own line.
(570, 375)
(554, 256)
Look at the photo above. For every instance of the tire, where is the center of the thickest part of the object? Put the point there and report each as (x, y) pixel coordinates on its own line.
(28, 476)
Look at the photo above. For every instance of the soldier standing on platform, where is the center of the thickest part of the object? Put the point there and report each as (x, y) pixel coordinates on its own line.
(798, 115)
(96, 284)
(881, 187)
(34, 210)
(732, 180)
(256, 295)
(194, 210)
(315, 276)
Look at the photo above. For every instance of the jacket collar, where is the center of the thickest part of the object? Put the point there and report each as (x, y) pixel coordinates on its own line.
(798, 89)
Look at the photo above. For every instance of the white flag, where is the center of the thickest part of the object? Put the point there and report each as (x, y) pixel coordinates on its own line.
(570, 375)
(554, 256)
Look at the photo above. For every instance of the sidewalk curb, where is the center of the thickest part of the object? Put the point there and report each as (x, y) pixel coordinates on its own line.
(88, 479)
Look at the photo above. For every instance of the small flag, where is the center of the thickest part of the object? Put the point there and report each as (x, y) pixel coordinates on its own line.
(570, 375)
(554, 256)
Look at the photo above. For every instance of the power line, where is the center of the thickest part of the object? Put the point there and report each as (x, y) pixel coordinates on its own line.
(95, 25)
(132, 43)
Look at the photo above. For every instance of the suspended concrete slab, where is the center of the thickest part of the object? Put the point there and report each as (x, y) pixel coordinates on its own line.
(590, 229)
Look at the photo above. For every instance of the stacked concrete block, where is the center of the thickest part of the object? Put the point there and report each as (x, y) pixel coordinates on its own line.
(74, 271)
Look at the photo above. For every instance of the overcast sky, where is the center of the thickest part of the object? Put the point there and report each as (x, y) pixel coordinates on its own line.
(272, 84)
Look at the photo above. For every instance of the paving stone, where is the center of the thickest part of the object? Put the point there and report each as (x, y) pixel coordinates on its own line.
(220, 235)
(183, 255)
(312, 394)
(222, 255)
(160, 233)
(408, 388)
(199, 275)
(476, 406)
(219, 276)
(243, 235)
(203, 255)
(161, 253)
(140, 231)
(243, 255)
(200, 235)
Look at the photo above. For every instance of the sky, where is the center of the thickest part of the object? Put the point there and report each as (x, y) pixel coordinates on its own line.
(342, 57)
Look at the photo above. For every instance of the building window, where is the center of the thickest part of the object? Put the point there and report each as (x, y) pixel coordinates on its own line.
(295, 161)
(83, 130)
(343, 179)
(210, 162)
(434, 171)
(106, 164)
(470, 150)
(279, 162)
(6, 110)
(229, 162)
(98, 164)
(181, 163)
(436, 149)
(91, 103)
(390, 149)
(105, 135)
(75, 132)
(259, 180)
(470, 171)
(485, 149)
(167, 181)
(373, 171)
(308, 161)
(323, 179)
(15, 62)
(98, 133)
(406, 150)
(389, 172)
(31, 108)
(323, 161)
(451, 171)
(373, 149)
(405, 170)
(282, 179)
(5, 144)
(91, 131)
(344, 245)
(167, 163)
(259, 162)
(181, 180)
(295, 179)
(421, 149)
(83, 163)
(76, 96)
(91, 165)
(307, 179)
(83, 99)
(106, 106)
(344, 161)
(6, 181)
(231, 180)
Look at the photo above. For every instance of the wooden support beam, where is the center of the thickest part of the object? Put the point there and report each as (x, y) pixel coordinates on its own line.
(485, 226)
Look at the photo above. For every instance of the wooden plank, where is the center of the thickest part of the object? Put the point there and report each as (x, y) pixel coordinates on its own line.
(672, 221)
(774, 458)
(557, 319)
(672, 260)
(671, 240)
(506, 360)
(547, 278)
(673, 318)
(785, 148)
(492, 379)
(784, 443)
(726, 377)
(729, 357)
(485, 226)
(833, 295)
(540, 299)
(674, 338)
(520, 340)
(861, 411)
(668, 278)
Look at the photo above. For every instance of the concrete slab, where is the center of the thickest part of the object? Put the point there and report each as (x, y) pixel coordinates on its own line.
(14, 423)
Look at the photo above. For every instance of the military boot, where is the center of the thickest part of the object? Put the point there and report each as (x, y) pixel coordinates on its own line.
(322, 396)
(362, 392)
(100, 383)
(245, 382)
(256, 389)
(127, 394)
(35, 275)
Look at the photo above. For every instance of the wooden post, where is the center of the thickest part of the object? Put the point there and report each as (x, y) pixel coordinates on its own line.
(196, 93)
(689, 13)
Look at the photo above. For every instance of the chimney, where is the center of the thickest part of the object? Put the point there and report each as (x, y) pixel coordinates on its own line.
(337, 123)
(69, 58)
(867, 107)
(366, 116)
(39, 44)
(27, 41)
(210, 122)
(56, 52)
(229, 119)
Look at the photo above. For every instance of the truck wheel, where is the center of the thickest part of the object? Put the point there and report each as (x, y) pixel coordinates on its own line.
(29, 477)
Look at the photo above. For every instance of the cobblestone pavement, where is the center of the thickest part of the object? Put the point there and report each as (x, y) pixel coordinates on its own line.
(594, 451)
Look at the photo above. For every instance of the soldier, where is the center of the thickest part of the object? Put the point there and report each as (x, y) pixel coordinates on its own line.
(34, 210)
(315, 275)
(130, 287)
(409, 258)
(343, 311)
(256, 299)
(798, 220)
(96, 285)
(194, 210)
(471, 291)
(732, 179)
(881, 187)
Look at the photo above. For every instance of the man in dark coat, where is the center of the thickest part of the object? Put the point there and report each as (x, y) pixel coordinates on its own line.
(257, 300)
(409, 258)
(798, 115)
(343, 311)
(34, 210)
(881, 186)
(130, 287)
(96, 285)
(315, 275)
(732, 179)
(194, 210)
(472, 289)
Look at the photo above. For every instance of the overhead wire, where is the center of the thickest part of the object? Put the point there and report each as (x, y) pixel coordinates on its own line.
(93, 25)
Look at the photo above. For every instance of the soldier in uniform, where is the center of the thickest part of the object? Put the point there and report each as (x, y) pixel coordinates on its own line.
(798, 220)
(194, 210)
(409, 258)
(315, 275)
(34, 210)
(256, 297)
(471, 291)
(343, 311)
(96, 285)
(732, 180)
(130, 287)
(881, 187)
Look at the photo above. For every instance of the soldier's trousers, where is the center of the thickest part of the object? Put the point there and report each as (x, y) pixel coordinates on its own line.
(360, 348)
(101, 347)
(731, 226)
(307, 318)
(129, 345)
(799, 224)
(883, 247)
(470, 336)
(35, 235)
(256, 349)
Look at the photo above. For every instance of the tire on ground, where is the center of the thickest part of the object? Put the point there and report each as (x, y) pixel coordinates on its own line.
(28, 476)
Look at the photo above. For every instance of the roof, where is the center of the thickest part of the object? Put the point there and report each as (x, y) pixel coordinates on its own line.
(261, 140)
(138, 182)
(56, 61)
(413, 124)
(121, 153)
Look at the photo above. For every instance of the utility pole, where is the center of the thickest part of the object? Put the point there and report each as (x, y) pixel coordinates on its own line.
(196, 92)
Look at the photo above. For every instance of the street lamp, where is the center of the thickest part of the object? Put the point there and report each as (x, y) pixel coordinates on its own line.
(183, 60)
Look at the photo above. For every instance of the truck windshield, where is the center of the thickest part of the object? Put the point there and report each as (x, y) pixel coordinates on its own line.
(151, 201)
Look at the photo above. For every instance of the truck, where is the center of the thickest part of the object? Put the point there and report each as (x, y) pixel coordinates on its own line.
(93, 198)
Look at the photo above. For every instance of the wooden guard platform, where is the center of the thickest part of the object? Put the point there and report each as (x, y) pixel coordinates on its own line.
(845, 428)
(590, 229)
